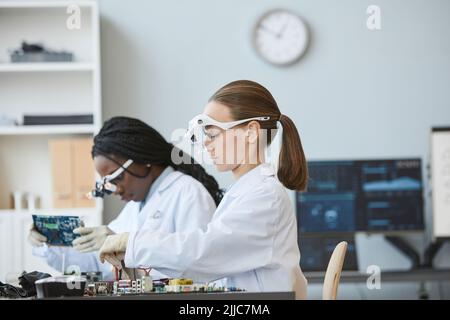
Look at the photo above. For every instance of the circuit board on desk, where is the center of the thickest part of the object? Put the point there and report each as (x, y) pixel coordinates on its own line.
(145, 285)
(57, 229)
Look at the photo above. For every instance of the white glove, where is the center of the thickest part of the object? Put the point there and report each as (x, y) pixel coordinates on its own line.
(91, 239)
(114, 248)
(35, 238)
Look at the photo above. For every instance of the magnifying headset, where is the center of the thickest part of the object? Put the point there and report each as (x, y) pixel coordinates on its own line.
(197, 126)
(104, 186)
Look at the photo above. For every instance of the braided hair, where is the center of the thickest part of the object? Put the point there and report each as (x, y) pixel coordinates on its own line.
(131, 138)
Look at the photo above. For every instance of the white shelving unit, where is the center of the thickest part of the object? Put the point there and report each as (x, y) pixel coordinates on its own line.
(62, 88)
(46, 67)
(46, 130)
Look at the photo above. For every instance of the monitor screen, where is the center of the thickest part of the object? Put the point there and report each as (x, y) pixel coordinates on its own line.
(315, 252)
(362, 195)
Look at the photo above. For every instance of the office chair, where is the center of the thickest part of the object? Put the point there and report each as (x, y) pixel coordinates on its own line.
(333, 274)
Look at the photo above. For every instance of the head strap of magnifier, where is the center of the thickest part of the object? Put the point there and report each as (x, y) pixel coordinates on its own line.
(118, 172)
(202, 120)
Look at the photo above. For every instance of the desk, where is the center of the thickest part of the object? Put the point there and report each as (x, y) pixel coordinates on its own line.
(416, 275)
(193, 296)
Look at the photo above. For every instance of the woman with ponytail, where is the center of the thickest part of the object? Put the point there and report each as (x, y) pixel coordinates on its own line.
(252, 239)
(161, 195)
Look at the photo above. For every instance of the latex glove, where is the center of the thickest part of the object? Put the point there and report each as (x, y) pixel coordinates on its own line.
(114, 248)
(35, 238)
(91, 239)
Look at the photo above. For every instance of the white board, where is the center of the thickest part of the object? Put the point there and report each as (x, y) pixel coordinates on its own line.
(440, 177)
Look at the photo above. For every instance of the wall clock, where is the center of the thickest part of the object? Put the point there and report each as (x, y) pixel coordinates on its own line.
(280, 37)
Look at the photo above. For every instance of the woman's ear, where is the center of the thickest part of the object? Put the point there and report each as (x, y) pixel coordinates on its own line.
(253, 131)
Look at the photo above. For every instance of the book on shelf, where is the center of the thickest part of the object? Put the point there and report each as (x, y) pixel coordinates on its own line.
(32, 120)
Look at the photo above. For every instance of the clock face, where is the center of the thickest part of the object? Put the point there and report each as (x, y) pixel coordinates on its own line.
(280, 37)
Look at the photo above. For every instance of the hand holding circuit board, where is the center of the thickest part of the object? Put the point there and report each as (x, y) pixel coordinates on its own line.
(57, 229)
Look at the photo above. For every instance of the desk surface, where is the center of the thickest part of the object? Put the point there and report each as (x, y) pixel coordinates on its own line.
(391, 276)
(193, 296)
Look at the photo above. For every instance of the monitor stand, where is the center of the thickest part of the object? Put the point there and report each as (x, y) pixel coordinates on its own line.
(406, 248)
(431, 252)
(412, 254)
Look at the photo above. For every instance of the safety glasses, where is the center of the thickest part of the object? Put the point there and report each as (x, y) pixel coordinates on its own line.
(198, 125)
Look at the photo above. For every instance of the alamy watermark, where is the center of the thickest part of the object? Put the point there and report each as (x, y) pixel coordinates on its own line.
(374, 280)
(374, 19)
(73, 21)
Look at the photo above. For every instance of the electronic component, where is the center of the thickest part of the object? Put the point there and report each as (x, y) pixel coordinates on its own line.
(145, 285)
(180, 282)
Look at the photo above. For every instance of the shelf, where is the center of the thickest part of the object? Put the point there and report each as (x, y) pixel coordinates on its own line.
(47, 129)
(42, 4)
(59, 211)
(46, 67)
(44, 88)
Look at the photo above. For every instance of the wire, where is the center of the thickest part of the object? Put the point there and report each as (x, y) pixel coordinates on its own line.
(116, 271)
(9, 291)
(146, 270)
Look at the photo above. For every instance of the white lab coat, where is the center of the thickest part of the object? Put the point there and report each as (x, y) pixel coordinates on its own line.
(179, 203)
(251, 241)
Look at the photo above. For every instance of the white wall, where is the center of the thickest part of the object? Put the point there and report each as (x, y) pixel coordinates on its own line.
(355, 94)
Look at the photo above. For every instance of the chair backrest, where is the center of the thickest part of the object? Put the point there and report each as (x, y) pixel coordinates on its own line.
(333, 274)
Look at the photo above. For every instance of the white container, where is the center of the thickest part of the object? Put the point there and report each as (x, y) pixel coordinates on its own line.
(18, 197)
(31, 201)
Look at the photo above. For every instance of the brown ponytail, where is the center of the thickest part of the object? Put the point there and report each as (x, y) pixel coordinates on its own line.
(248, 99)
(292, 168)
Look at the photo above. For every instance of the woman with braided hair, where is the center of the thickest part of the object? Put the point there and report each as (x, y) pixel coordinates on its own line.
(161, 195)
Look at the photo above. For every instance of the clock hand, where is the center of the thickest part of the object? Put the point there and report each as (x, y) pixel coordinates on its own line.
(280, 33)
(272, 32)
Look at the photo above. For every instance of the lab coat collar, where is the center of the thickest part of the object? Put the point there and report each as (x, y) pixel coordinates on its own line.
(169, 178)
(165, 179)
(251, 179)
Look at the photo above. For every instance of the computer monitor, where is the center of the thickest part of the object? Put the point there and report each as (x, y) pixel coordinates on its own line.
(362, 195)
(315, 252)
